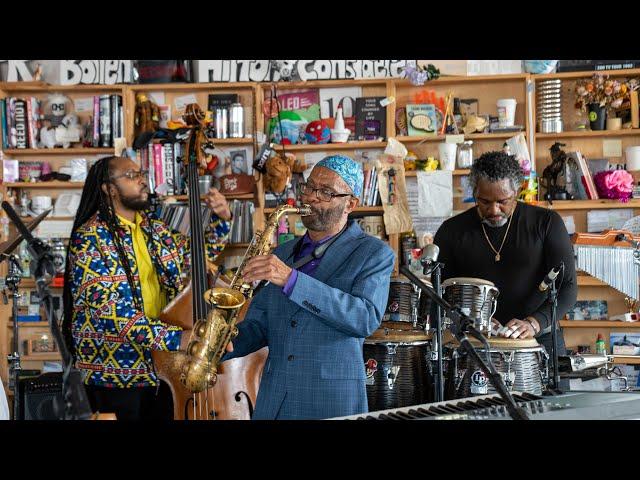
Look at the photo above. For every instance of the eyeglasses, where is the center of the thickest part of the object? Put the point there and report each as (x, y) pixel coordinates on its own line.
(132, 174)
(322, 194)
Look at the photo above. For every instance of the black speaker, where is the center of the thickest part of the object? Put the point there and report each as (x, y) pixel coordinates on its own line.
(36, 396)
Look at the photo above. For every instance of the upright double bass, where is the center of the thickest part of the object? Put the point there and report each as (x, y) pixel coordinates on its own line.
(235, 392)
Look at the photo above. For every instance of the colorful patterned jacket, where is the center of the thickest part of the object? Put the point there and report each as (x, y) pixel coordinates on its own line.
(112, 338)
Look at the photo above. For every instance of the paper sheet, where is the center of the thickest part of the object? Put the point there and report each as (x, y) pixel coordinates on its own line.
(425, 227)
(435, 193)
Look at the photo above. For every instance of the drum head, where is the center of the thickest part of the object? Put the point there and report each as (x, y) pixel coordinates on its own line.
(403, 332)
(466, 281)
(502, 343)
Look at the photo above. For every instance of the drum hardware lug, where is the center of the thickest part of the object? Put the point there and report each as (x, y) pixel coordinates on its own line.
(391, 348)
(392, 375)
(433, 356)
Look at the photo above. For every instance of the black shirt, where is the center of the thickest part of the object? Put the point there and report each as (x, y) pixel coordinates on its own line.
(537, 242)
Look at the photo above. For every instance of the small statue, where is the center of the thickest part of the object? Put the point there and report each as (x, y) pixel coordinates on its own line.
(37, 75)
(553, 173)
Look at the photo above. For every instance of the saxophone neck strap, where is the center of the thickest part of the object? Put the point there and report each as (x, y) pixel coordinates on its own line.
(318, 252)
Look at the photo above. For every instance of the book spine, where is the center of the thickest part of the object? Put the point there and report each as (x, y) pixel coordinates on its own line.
(168, 167)
(105, 121)
(96, 121)
(10, 106)
(157, 164)
(120, 117)
(152, 170)
(31, 139)
(115, 116)
(3, 113)
(22, 138)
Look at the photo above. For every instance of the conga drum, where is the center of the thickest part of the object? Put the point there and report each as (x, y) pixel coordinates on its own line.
(476, 297)
(398, 367)
(522, 363)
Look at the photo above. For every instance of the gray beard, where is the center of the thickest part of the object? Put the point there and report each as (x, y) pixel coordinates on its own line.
(321, 221)
(501, 223)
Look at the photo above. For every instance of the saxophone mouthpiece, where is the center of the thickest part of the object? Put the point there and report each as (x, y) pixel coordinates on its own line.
(305, 210)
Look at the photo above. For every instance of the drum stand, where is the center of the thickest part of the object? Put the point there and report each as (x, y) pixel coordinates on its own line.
(14, 275)
(435, 269)
(461, 324)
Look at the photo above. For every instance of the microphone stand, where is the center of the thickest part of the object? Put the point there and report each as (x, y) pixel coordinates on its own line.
(462, 324)
(75, 404)
(12, 281)
(553, 299)
(436, 275)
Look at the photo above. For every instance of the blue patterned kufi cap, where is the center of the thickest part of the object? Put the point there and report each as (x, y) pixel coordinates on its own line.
(348, 169)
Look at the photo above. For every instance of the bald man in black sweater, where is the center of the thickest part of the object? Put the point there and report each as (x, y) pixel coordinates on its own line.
(513, 245)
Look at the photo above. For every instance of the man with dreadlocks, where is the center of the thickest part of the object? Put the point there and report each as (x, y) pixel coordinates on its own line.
(123, 267)
(513, 245)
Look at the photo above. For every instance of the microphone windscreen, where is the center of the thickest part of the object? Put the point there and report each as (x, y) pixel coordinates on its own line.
(430, 253)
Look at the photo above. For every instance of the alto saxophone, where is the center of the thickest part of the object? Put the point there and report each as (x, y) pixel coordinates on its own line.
(209, 338)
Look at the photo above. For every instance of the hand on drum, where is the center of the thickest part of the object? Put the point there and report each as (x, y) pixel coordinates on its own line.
(516, 328)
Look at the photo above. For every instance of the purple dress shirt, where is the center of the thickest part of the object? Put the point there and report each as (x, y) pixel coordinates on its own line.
(308, 246)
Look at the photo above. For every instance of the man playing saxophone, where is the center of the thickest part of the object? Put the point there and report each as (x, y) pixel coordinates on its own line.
(314, 318)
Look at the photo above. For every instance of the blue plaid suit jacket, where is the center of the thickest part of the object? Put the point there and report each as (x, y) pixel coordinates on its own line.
(315, 368)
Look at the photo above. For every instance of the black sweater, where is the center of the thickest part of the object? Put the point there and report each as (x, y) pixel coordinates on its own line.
(537, 242)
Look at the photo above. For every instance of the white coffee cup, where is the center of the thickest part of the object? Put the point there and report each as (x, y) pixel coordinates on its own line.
(447, 155)
(506, 111)
(40, 203)
(632, 158)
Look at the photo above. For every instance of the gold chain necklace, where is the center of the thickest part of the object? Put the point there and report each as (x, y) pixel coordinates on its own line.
(497, 252)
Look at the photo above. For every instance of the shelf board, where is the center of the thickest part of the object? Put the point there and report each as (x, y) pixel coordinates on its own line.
(41, 358)
(58, 151)
(40, 86)
(472, 136)
(590, 134)
(29, 324)
(28, 219)
(51, 184)
(357, 210)
(628, 359)
(631, 72)
(414, 173)
(183, 198)
(31, 283)
(192, 86)
(347, 82)
(466, 79)
(329, 146)
(589, 204)
(589, 281)
(598, 324)
(232, 141)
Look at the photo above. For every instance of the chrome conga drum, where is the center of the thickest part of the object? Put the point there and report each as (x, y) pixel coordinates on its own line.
(403, 302)
(522, 363)
(396, 359)
(476, 297)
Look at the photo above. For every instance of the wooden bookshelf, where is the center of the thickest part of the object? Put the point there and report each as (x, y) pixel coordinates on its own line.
(590, 134)
(59, 151)
(329, 146)
(43, 185)
(598, 324)
(626, 359)
(601, 204)
(414, 173)
(471, 136)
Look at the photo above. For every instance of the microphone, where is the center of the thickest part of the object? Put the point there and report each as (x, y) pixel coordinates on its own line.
(548, 280)
(430, 254)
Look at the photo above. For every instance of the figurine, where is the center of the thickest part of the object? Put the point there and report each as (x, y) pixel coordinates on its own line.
(552, 175)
